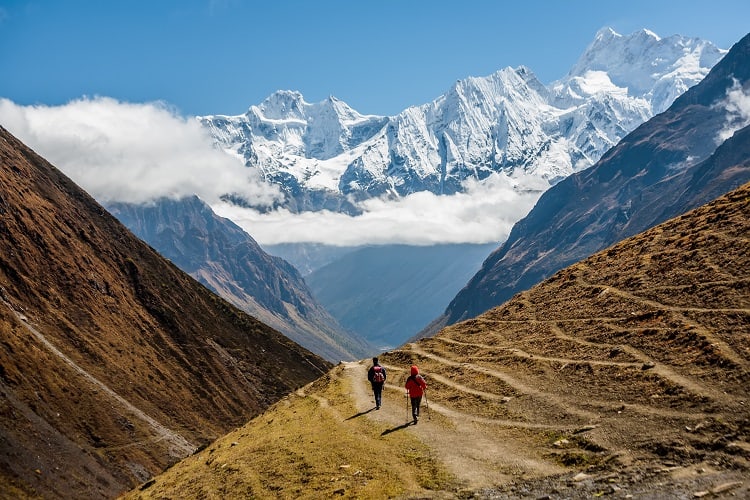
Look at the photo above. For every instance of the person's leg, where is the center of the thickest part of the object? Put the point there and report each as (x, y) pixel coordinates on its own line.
(378, 395)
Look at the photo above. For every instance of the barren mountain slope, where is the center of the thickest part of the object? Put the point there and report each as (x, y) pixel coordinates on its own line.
(113, 363)
(625, 374)
(228, 261)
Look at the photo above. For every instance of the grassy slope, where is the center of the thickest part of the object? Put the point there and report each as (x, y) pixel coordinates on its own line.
(311, 444)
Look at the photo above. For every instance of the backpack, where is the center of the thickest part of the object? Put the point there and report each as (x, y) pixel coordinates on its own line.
(378, 376)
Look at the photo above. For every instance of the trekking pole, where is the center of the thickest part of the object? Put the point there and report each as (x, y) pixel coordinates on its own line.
(427, 406)
(407, 407)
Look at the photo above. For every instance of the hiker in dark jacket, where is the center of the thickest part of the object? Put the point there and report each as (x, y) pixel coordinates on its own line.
(376, 375)
(415, 387)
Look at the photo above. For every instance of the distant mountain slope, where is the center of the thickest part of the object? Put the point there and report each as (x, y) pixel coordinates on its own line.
(113, 362)
(222, 256)
(388, 293)
(624, 375)
(666, 166)
(328, 156)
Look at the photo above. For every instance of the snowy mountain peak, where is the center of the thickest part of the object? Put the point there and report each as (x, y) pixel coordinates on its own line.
(647, 65)
(327, 155)
(281, 105)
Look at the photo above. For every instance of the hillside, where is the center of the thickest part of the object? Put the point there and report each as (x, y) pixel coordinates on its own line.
(626, 374)
(674, 162)
(114, 364)
(228, 261)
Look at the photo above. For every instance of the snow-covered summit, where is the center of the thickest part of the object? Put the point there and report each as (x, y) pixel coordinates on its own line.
(327, 155)
(647, 66)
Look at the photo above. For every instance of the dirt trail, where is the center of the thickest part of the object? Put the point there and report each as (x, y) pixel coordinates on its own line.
(180, 447)
(511, 381)
(523, 354)
(460, 441)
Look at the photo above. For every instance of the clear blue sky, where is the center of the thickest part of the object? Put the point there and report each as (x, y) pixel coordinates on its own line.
(221, 56)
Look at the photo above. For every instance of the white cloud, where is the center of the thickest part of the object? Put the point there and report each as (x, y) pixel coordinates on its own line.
(132, 152)
(484, 213)
(737, 105)
(139, 152)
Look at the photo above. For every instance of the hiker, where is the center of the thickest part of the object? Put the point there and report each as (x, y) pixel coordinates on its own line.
(415, 387)
(376, 375)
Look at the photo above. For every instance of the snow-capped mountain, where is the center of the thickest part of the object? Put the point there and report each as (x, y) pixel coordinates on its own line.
(328, 156)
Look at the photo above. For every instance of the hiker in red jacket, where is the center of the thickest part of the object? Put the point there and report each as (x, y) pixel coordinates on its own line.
(376, 375)
(415, 387)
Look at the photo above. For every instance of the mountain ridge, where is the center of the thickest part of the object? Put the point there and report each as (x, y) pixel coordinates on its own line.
(327, 156)
(113, 362)
(227, 260)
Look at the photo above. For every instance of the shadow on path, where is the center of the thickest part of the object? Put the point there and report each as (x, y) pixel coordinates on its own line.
(360, 414)
(394, 429)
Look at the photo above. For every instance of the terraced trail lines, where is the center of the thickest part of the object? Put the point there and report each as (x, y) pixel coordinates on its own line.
(459, 440)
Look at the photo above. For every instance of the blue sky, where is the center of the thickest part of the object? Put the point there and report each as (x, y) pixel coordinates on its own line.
(221, 56)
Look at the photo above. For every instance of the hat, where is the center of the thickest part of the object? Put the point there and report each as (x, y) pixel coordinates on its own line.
(414, 370)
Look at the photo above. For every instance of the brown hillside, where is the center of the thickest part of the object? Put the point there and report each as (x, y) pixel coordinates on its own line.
(113, 363)
(626, 375)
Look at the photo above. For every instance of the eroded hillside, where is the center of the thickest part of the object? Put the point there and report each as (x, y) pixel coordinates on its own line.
(114, 364)
(625, 374)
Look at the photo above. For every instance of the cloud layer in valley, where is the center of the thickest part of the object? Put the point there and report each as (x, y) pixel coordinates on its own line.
(140, 152)
(737, 105)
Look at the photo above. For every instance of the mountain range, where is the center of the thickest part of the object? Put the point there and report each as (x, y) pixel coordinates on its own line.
(676, 161)
(328, 156)
(623, 373)
(114, 364)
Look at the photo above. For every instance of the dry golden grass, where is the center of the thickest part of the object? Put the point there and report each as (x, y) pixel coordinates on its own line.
(312, 444)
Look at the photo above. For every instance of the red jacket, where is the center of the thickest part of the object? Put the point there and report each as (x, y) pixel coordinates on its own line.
(415, 385)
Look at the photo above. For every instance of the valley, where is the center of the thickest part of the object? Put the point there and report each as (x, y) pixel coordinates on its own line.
(156, 350)
(624, 374)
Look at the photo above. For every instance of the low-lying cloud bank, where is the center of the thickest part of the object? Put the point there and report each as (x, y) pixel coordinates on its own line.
(131, 152)
(485, 213)
(137, 153)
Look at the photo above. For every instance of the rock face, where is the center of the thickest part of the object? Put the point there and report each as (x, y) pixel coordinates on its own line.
(668, 165)
(222, 256)
(328, 156)
(113, 362)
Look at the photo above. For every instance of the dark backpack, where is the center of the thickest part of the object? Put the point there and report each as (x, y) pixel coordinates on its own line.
(378, 376)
